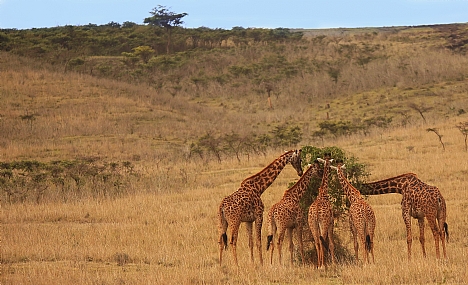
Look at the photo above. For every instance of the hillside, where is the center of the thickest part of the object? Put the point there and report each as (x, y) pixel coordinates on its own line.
(350, 81)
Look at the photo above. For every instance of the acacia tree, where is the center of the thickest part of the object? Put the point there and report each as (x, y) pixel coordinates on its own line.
(463, 127)
(420, 109)
(439, 135)
(162, 17)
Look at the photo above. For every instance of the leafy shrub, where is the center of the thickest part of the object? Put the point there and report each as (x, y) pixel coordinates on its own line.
(76, 62)
(22, 181)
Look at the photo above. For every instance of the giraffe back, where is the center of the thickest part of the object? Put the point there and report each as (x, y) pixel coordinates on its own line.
(243, 205)
(417, 195)
(397, 184)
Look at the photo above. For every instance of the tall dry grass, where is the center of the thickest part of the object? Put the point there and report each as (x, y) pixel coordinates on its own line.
(171, 238)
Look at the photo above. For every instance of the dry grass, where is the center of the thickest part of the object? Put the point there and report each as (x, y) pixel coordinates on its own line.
(171, 238)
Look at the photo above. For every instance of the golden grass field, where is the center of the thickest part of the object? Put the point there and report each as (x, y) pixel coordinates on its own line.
(171, 238)
(163, 230)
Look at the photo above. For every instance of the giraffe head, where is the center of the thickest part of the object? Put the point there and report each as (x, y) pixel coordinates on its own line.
(339, 165)
(326, 162)
(330, 160)
(296, 161)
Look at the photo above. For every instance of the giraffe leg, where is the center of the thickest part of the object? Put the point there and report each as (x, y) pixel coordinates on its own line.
(363, 248)
(271, 241)
(421, 235)
(317, 242)
(258, 230)
(331, 245)
(249, 226)
(409, 236)
(280, 243)
(301, 243)
(442, 238)
(442, 231)
(364, 240)
(361, 233)
(355, 239)
(291, 244)
(272, 249)
(318, 249)
(443, 227)
(370, 234)
(322, 252)
(222, 229)
(222, 245)
(234, 234)
(437, 235)
(271, 234)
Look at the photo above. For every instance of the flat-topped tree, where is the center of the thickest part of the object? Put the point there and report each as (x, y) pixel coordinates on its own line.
(162, 17)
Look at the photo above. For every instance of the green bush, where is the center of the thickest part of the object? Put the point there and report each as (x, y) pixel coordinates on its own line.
(356, 173)
(63, 180)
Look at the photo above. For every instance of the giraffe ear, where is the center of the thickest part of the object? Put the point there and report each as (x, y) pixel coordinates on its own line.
(321, 160)
(333, 167)
(331, 160)
(343, 167)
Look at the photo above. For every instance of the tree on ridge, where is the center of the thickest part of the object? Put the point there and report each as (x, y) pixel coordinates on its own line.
(162, 17)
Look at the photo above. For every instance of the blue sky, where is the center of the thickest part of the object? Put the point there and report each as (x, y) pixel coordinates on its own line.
(26, 14)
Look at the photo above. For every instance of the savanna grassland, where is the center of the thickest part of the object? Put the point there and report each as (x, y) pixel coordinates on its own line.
(113, 165)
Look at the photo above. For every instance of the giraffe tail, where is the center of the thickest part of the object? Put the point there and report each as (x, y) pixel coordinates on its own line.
(324, 243)
(446, 232)
(222, 228)
(269, 241)
(368, 243)
(224, 237)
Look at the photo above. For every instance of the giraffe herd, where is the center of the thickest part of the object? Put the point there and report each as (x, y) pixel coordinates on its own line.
(419, 200)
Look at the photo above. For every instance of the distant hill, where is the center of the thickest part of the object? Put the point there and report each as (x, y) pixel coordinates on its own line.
(257, 88)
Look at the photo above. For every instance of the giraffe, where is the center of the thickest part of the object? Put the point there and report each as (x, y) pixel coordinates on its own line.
(245, 204)
(361, 216)
(287, 214)
(321, 217)
(419, 200)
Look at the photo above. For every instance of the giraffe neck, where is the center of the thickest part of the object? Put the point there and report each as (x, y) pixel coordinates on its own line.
(352, 193)
(262, 180)
(323, 189)
(396, 184)
(295, 193)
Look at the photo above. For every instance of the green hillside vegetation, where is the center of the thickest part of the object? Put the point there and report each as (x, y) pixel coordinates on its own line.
(281, 86)
(106, 133)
